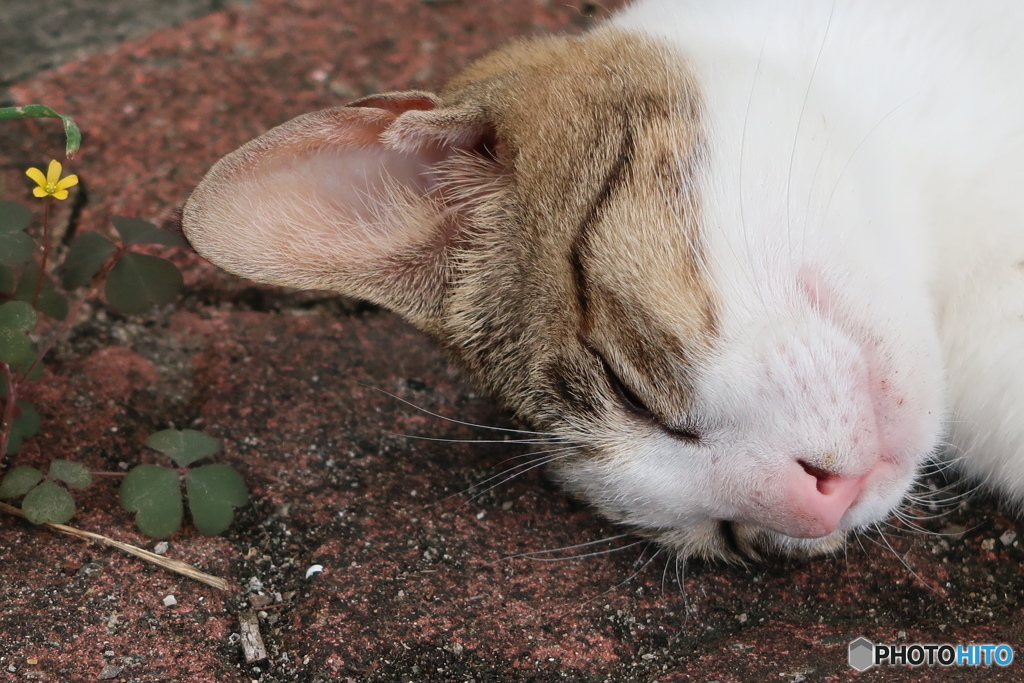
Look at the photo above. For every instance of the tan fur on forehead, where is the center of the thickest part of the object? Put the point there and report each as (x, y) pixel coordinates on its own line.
(602, 134)
(649, 305)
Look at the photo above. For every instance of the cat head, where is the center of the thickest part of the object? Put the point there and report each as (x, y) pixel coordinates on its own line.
(546, 216)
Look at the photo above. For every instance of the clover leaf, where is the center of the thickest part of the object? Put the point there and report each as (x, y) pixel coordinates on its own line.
(86, 255)
(154, 494)
(214, 491)
(19, 481)
(45, 500)
(184, 446)
(48, 502)
(50, 301)
(138, 281)
(26, 423)
(73, 474)
(6, 281)
(15, 245)
(16, 319)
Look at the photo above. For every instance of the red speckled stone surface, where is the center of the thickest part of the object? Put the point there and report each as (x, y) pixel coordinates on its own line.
(420, 582)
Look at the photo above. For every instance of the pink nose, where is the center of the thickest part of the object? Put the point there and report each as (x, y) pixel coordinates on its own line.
(817, 500)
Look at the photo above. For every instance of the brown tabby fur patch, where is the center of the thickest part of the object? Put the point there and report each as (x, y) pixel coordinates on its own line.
(588, 240)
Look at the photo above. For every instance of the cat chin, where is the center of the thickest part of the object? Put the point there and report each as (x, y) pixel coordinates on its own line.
(740, 543)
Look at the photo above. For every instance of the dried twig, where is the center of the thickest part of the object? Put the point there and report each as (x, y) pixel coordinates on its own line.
(252, 641)
(176, 566)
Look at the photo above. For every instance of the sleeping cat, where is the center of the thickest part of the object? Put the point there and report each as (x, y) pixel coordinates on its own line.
(754, 261)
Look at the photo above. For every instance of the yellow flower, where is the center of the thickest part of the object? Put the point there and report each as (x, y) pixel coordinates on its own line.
(51, 185)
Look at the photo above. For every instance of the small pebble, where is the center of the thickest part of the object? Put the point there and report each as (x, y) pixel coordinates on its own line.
(1008, 537)
(109, 671)
(170, 601)
(314, 569)
(258, 601)
(161, 547)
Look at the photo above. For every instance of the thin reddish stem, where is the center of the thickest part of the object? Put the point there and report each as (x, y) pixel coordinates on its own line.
(9, 404)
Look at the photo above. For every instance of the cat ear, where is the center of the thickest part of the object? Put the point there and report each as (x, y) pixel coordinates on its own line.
(346, 199)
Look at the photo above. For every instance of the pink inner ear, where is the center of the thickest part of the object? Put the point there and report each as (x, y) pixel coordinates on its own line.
(345, 204)
(348, 182)
(322, 200)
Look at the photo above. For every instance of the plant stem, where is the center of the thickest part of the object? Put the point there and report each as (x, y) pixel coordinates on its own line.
(46, 253)
(9, 404)
(69, 320)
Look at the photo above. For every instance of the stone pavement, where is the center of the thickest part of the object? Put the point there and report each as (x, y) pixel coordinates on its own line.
(424, 575)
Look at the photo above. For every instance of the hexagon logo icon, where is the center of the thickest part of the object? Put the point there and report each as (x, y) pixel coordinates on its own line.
(862, 654)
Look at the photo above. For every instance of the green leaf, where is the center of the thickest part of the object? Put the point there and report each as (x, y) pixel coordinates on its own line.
(87, 254)
(72, 134)
(154, 495)
(51, 302)
(138, 231)
(6, 281)
(25, 424)
(15, 347)
(16, 318)
(19, 481)
(14, 217)
(15, 245)
(48, 503)
(213, 493)
(138, 281)
(71, 473)
(185, 446)
(15, 248)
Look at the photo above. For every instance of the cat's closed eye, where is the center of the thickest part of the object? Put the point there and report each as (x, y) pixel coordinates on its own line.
(638, 408)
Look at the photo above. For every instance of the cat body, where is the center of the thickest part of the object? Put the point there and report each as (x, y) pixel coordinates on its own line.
(751, 262)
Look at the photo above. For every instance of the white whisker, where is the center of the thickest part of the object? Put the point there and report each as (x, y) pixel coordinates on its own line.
(581, 556)
(501, 441)
(452, 420)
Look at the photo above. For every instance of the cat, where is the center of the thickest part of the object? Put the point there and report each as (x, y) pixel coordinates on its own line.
(754, 263)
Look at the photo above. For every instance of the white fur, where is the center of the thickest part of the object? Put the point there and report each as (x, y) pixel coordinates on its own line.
(870, 151)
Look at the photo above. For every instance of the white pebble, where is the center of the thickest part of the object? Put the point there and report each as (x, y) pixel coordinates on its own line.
(161, 547)
(314, 569)
(170, 601)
